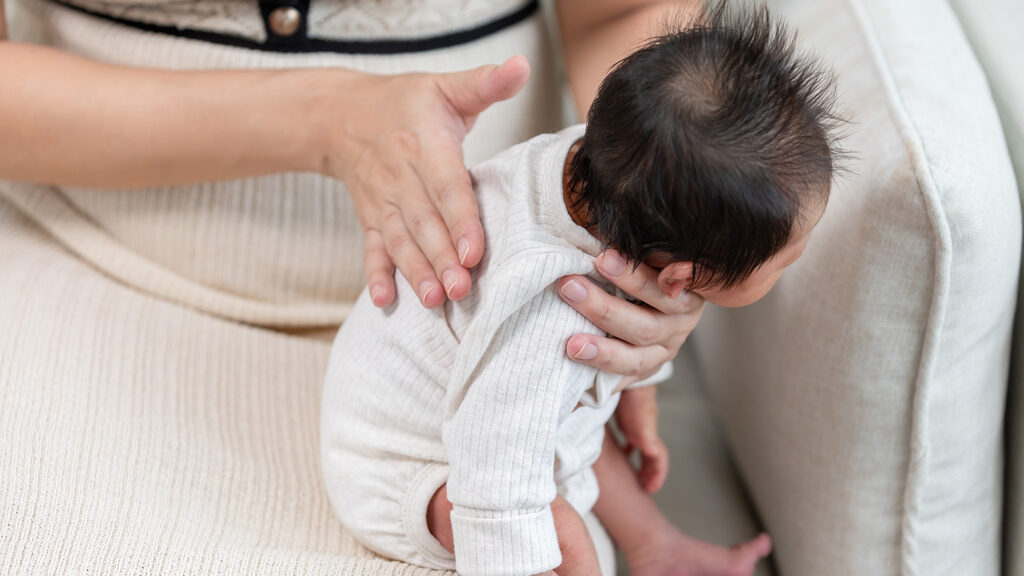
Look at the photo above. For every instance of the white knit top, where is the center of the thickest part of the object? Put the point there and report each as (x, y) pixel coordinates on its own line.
(484, 383)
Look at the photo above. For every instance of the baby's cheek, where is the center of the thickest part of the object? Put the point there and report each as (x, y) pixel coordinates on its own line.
(766, 287)
(746, 293)
(774, 279)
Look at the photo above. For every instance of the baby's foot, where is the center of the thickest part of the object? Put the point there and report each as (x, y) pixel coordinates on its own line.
(674, 554)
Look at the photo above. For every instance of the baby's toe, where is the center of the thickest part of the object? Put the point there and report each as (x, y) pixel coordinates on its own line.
(746, 555)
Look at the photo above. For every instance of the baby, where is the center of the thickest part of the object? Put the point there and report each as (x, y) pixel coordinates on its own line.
(707, 155)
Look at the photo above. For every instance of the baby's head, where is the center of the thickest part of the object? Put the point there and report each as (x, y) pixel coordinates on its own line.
(709, 154)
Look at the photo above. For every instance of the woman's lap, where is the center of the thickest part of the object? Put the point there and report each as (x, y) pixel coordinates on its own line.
(143, 436)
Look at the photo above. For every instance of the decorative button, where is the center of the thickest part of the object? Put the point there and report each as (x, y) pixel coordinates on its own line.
(284, 21)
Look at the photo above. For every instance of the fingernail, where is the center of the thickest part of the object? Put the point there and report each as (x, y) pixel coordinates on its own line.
(574, 291)
(450, 279)
(426, 287)
(611, 263)
(586, 352)
(463, 250)
(375, 291)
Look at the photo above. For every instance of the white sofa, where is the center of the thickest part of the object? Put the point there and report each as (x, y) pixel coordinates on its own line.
(861, 404)
(994, 29)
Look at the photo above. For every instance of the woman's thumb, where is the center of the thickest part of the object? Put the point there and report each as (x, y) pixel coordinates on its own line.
(472, 91)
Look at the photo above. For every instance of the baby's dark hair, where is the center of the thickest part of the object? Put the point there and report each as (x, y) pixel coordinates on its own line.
(707, 144)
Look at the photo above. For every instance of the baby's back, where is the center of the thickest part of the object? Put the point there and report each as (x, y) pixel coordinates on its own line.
(477, 393)
(387, 376)
(390, 367)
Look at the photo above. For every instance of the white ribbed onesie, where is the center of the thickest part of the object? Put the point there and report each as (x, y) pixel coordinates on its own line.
(478, 393)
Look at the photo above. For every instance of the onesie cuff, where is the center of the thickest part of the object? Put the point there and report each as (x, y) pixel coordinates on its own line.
(492, 543)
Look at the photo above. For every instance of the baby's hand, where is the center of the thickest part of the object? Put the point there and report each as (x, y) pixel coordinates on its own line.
(637, 416)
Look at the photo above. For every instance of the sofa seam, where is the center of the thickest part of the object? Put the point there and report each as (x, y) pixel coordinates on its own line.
(934, 211)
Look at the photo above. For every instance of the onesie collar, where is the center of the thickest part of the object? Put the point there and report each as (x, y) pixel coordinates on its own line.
(554, 216)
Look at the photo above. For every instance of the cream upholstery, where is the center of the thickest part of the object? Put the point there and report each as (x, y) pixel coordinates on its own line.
(863, 399)
(994, 29)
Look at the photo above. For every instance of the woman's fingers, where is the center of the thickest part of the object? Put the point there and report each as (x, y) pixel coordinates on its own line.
(401, 159)
(642, 283)
(380, 271)
(442, 170)
(620, 318)
(470, 92)
(409, 259)
(416, 236)
(618, 357)
(431, 236)
(640, 338)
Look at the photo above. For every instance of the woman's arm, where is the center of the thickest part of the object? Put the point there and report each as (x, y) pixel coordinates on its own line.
(396, 142)
(595, 35)
(68, 120)
(598, 33)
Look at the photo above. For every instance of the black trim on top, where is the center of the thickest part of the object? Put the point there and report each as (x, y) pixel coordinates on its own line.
(300, 42)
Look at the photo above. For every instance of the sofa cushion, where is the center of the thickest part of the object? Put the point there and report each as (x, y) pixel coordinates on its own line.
(863, 398)
(993, 27)
(994, 30)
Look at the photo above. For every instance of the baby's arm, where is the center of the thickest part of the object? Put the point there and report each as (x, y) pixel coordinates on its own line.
(500, 438)
(637, 417)
(579, 558)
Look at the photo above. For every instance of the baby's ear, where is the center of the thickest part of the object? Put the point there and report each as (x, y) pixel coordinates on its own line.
(675, 277)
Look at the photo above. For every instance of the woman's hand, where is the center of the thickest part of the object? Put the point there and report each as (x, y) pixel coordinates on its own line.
(640, 338)
(398, 147)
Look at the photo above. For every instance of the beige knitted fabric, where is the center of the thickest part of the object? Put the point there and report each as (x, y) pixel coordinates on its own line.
(151, 423)
(142, 437)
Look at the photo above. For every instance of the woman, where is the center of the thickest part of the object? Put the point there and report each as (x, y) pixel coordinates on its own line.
(207, 173)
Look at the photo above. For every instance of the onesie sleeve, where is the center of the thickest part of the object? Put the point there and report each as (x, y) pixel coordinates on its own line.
(500, 439)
